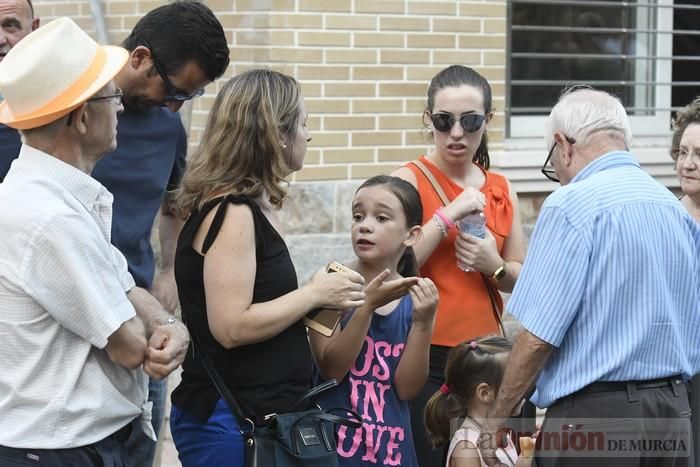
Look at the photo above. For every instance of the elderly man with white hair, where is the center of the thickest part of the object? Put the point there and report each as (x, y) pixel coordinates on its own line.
(609, 299)
(77, 335)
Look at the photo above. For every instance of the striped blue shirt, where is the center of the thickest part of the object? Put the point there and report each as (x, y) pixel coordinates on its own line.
(611, 280)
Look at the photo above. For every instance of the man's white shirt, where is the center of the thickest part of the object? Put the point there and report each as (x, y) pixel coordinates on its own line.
(62, 294)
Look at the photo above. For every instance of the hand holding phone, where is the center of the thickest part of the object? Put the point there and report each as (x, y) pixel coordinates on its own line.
(325, 320)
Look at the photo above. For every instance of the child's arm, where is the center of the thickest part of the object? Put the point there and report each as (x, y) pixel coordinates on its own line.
(465, 454)
(335, 355)
(412, 371)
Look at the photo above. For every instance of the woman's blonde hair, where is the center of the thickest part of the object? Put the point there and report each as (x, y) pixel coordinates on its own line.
(247, 141)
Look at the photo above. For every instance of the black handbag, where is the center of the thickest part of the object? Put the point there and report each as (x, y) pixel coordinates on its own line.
(292, 439)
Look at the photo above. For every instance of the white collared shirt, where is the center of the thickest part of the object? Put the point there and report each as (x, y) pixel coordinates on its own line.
(62, 294)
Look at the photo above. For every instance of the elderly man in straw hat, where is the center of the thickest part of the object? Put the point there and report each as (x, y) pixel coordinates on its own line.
(75, 330)
(175, 50)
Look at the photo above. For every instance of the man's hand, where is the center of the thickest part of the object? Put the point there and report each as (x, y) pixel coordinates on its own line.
(166, 349)
(164, 289)
(490, 440)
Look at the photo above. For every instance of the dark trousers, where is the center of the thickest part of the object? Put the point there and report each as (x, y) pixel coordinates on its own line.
(635, 424)
(108, 452)
(427, 455)
(695, 417)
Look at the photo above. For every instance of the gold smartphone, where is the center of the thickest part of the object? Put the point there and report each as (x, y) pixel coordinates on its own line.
(323, 320)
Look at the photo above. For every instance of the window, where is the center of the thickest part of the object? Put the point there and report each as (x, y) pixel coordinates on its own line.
(645, 52)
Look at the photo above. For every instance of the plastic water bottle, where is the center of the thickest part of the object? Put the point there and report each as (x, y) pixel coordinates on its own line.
(473, 224)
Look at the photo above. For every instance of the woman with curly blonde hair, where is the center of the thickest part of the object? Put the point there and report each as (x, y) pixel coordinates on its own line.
(236, 281)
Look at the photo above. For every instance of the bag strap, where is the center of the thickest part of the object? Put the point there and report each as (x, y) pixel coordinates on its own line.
(433, 181)
(220, 385)
(494, 304)
(313, 392)
(445, 201)
(231, 400)
(354, 422)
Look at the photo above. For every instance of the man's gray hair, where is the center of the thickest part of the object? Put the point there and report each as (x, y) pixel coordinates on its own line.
(582, 113)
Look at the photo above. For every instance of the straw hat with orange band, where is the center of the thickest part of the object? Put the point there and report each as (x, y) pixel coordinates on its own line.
(53, 71)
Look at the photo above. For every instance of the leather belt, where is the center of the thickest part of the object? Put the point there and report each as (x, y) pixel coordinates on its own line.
(612, 386)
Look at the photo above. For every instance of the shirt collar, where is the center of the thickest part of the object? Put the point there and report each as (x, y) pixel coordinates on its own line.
(606, 161)
(82, 186)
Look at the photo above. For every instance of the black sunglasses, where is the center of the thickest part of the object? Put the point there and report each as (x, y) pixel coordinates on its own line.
(444, 122)
(547, 170)
(174, 95)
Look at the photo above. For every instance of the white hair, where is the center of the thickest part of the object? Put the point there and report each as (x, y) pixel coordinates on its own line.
(583, 112)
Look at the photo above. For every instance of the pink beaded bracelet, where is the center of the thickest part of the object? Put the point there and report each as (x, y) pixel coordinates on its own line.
(449, 223)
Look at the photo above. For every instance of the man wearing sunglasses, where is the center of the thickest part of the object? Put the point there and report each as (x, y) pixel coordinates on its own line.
(174, 52)
(608, 297)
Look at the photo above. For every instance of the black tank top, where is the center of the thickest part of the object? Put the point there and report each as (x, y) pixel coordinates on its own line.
(265, 377)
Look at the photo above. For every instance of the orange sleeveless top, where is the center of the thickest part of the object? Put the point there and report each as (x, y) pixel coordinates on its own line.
(464, 310)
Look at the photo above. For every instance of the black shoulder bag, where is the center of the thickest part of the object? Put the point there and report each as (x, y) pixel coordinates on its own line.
(293, 439)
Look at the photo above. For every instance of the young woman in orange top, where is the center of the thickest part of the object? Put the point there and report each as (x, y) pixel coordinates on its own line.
(458, 111)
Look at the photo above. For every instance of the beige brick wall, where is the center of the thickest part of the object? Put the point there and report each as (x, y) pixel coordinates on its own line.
(364, 66)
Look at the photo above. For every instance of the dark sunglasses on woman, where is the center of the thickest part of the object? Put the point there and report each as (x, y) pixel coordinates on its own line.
(444, 122)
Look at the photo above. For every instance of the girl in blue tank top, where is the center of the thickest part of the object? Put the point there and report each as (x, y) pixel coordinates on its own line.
(380, 351)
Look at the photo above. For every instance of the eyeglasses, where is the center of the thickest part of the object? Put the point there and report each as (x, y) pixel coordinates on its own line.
(174, 95)
(683, 154)
(117, 96)
(470, 122)
(547, 169)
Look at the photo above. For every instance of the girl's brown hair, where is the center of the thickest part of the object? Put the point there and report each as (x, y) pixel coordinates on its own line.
(247, 141)
(468, 365)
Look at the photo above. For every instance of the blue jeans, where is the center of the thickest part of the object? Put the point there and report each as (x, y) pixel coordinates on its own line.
(140, 447)
(216, 442)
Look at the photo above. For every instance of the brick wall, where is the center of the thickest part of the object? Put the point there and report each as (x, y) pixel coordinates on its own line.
(364, 66)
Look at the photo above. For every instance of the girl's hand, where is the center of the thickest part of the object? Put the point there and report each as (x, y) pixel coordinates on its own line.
(425, 300)
(470, 200)
(479, 253)
(381, 291)
(336, 290)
